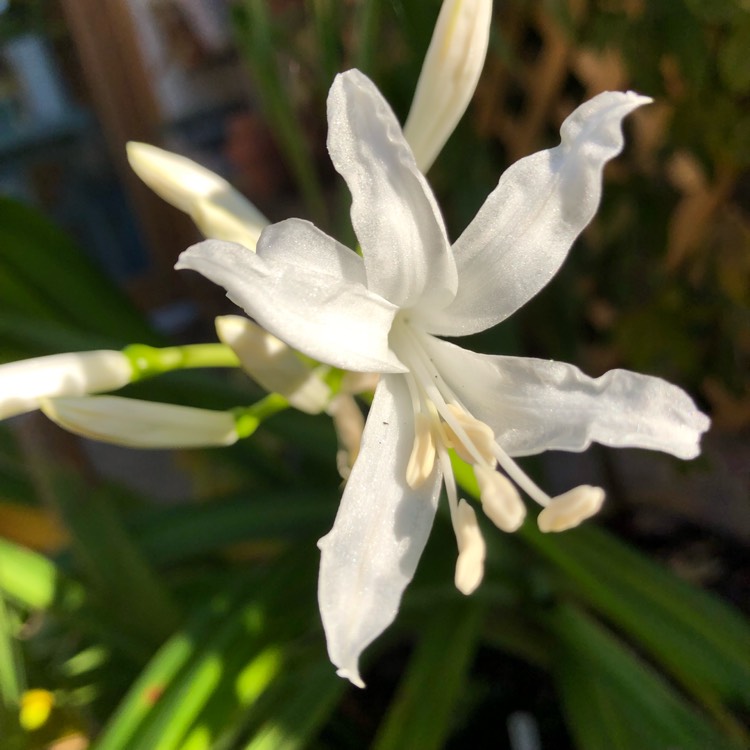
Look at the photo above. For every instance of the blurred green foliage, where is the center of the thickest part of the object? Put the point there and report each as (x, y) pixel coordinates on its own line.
(194, 625)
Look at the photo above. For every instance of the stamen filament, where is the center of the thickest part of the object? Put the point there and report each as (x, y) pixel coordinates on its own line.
(521, 478)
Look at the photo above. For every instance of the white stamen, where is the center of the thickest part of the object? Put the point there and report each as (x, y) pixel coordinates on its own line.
(520, 477)
(422, 457)
(471, 549)
(568, 510)
(500, 499)
(480, 435)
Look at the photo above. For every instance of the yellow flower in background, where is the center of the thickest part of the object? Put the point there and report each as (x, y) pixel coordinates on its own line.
(36, 708)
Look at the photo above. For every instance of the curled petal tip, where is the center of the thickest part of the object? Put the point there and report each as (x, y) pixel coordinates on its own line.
(352, 675)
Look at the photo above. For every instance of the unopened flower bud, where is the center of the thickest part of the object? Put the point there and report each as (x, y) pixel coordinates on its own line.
(273, 364)
(568, 510)
(141, 424)
(449, 76)
(23, 384)
(220, 211)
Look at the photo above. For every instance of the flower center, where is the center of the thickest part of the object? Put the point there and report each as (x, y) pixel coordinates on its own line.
(442, 423)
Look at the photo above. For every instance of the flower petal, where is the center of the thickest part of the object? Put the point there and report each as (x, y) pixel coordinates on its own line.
(24, 383)
(535, 405)
(449, 76)
(523, 232)
(300, 243)
(319, 313)
(394, 213)
(370, 555)
(141, 424)
(219, 210)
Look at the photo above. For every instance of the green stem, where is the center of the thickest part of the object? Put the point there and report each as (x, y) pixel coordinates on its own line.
(249, 418)
(148, 361)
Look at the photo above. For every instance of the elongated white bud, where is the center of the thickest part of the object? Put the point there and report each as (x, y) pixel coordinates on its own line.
(568, 510)
(471, 549)
(273, 364)
(220, 211)
(141, 424)
(449, 76)
(500, 499)
(24, 383)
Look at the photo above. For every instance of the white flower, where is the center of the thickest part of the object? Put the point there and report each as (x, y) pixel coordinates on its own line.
(218, 210)
(142, 424)
(24, 383)
(449, 76)
(382, 313)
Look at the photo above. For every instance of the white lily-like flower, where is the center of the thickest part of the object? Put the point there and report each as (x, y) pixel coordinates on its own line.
(24, 383)
(383, 312)
(449, 76)
(218, 210)
(142, 424)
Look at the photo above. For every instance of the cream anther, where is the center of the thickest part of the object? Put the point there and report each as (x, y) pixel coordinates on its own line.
(478, 433)
(568, 510)
(422, 457)
(471, 549)
(500, 499)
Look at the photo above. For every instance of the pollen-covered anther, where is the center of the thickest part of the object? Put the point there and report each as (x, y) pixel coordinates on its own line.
(500, 499)
(566, 511)
(471, 549)
(422, 458)
(479, 434)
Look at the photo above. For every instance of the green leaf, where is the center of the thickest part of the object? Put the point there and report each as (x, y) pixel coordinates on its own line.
(701, 641)
(297, 706)
(424, 710)
(54, 279)
(368, 17)
(113, 564)
(35, 583)
(734, 60)
(176, 534)
(206, 676)
(254, 29)
(12, 673)
(614, 700)
(716, 11)
(327, 18)
(163, 669)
